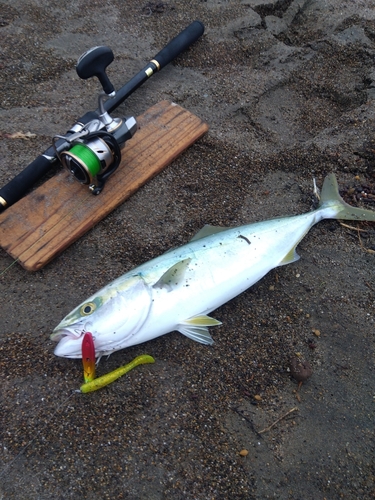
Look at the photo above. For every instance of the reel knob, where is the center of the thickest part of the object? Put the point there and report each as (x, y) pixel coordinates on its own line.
(94, 63)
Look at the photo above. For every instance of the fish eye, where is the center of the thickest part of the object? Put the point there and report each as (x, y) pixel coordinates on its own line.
(87, 308)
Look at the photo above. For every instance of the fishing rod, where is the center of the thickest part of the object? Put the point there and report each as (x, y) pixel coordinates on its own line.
(91, 149)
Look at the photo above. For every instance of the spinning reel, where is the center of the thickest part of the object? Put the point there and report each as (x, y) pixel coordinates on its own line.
(91, 151)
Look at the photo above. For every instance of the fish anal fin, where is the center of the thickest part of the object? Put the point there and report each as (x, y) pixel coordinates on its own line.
(208, 230)
(174, 276)
(202, 320)
(291, 256)
(197, 333)
(195, 328)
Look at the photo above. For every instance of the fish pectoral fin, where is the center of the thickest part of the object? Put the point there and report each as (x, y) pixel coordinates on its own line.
(174, 276)
(290, 257)
(196, 328)
(207, 230)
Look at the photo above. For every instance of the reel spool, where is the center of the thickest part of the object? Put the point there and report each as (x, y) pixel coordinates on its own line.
(91, 160)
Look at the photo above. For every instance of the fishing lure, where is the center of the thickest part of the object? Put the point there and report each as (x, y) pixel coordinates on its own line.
(110, 377)
(88, 357)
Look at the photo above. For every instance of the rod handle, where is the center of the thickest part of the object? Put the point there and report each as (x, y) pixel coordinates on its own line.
(17, 187)
(180, 43)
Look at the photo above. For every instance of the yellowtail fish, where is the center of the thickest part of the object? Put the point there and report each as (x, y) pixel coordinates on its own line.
(177, 290)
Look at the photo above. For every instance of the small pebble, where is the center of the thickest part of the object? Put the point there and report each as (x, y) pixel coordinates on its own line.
(257, 397)
(300, 369)
(244, 453)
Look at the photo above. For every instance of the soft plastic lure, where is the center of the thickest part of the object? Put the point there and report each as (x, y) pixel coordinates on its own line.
(88, 357)
(100, 382)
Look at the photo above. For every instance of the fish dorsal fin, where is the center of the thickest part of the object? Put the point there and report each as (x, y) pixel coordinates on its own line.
(174, 276)
(290, 257)
(208, 230)
(195, 328)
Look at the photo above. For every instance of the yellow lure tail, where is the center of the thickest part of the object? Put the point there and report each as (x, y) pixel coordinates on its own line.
(104, 380)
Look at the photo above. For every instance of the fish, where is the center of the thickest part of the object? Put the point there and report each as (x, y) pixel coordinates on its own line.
(177, 290)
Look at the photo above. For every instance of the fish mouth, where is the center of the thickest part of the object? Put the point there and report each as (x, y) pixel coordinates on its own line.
(69, 343)
(69, 347)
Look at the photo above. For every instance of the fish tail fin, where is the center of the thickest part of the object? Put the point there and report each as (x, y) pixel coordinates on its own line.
(330, 199)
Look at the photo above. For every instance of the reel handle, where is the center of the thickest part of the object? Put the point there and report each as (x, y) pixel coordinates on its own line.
(93, 63)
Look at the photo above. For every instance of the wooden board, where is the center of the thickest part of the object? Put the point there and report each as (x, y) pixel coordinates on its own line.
(46, 221)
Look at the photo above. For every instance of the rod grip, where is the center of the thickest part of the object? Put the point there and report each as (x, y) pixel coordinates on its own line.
(17, 187)
(180, 43)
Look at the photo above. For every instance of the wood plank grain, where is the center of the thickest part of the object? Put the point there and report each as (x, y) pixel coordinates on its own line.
(49, 219)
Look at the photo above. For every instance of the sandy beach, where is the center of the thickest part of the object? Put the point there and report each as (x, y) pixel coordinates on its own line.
(287, 88)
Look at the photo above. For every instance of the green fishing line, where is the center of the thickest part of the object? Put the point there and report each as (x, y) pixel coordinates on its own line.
(88, 157)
